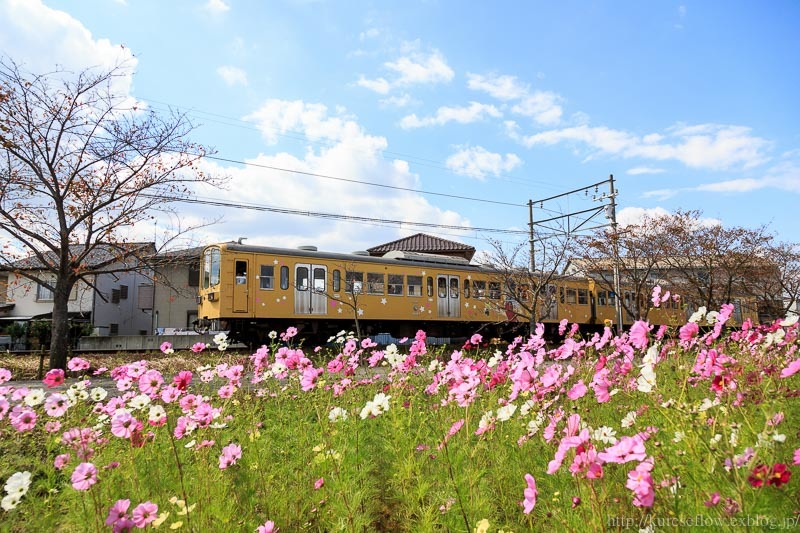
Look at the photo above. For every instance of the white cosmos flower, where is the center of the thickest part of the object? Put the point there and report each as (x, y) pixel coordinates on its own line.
(337, 414)
(646, 380)
(486, 420)
(506, 412)
(628, 420)
(156, 413)
(18, 483)
(10, 501)
(34, 397)
(495, 359)
(139, 402)
(605, 435)
(698, 315)
(98, 394)
(679, 435)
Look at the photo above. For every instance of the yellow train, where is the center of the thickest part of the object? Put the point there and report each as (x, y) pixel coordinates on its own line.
(251, 290)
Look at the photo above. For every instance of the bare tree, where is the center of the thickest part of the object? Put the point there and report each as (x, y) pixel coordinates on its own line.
(525, 291)
(80, 168)
(637, 251)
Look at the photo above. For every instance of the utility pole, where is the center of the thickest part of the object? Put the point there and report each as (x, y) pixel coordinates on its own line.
(612, 215)
(532, 239)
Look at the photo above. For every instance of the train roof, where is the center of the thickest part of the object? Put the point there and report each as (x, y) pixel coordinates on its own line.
(394, 257)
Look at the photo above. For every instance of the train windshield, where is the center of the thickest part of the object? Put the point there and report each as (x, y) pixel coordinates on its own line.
(211, 264)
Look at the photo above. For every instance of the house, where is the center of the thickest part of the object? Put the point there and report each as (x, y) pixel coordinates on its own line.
(174, 289)
(426, 244)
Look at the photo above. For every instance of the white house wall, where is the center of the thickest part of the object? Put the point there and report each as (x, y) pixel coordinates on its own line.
(126, 314)
(21, 292)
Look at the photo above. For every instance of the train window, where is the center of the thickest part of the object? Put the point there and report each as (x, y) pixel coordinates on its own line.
(414, 285)
(395, 284)
(241, 272)
(301, 281)
(601, 298)
(612, 299)
(583, 296)
(375, 283)
(319, 279)
(466, 288)
(453, 287)
(430, 287)
(284, 277)
(572, 296)
(494, 290)
(479, 288)
(353, 282)
(211, 263)
(337, 281)
(267, 278)
(441, 285)
(561, 294)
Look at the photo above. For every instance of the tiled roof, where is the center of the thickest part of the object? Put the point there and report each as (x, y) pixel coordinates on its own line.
(424, 244)
(101, 255)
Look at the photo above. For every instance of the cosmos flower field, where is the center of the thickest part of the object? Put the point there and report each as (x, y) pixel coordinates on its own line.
(658, 429)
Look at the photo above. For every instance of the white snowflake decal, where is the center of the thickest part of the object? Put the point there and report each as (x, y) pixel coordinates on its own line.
(360, 312)
(340, 310)
(383, 301)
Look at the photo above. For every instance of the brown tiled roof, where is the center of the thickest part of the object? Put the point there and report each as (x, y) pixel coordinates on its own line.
(424, 244)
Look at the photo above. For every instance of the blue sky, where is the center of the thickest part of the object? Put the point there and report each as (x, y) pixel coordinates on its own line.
(690, 105)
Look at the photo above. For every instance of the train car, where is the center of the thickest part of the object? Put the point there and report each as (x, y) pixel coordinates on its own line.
(251, 290)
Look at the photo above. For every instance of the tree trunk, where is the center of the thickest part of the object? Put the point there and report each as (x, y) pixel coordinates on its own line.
(59, 337)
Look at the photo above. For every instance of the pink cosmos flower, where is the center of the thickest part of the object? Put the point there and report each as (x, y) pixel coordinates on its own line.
(713, 500)
(230, 455)
(627, 449)
(577, 391)
(61, 461)
(52, 426)
(117, 512)
(476, 339)
(166, 347)
(170, 394)
(76, 364)
(226, 391)
(23, 418)
(198, 347)
(150, 381)
(792, 369)
(641, 483)
(268, 527)
(639, 334)
(144, 513)
(319, 483)
(688, 331)
(530, 494)
(56, 405)
(53, 378)
(84, 476)
(5, 375)
(123, 424)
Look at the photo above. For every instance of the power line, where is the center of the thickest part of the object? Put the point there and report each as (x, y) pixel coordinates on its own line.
(331, 216)
(373, 184)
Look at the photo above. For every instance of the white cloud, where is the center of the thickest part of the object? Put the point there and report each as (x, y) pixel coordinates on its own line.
(400, 100)
(216, 7)
(635, 215)
(785, 177)
(379, 85)
(350, 153)
(644, 170)
(369, 34)
(710, 146)
(478, 162)
(463, 115)
(39, 38)
(500, 87)
(232, 75)
(415, 68)
(542, 106)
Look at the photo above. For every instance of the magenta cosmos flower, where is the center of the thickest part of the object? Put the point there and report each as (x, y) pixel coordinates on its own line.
(230, 454)
(54, 378)
(144, 513)
(268, 527)
(84, 476)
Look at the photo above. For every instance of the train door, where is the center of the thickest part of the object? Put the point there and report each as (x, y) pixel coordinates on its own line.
(550, 303)
(240, 285)
(448, 297)
(309, 289)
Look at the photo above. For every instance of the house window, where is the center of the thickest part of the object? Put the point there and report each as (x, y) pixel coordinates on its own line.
(353, 282)
(43, 294)
(337, 281)
(395, 286)
(375, 283)
(191, 317)
(479, 288)
(115, 295)
(194, 276)
(123, 292)
(414, 285)
(267, 278)
(113, 329)
(284, 277)
(146, 296)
